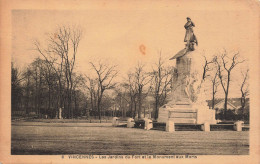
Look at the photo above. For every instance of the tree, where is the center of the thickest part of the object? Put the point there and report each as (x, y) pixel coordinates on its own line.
(92, 86)
(39, 87)
(244, 89)
(206, 67)
(141, 79)
(161, 81)
(16, 88)
(27, 87)
(61, 55)
(215, 84)
(105, 75)
(132, 93)
(225, 66)
(78, 96)
(36, 74)
(50, 80)
(123, 97)
(211, 69)
(107, 105)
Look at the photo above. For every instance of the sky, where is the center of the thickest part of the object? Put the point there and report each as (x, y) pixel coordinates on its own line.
(126, 37)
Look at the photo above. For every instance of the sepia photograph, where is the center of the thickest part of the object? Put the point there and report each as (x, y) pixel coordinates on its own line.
(116, 81)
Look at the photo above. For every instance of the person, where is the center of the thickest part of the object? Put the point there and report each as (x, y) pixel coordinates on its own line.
(190, 37)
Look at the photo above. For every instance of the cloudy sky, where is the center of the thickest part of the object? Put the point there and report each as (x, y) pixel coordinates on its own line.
(117, 35)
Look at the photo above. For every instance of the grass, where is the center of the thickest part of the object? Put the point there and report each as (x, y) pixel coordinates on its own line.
(70, 120)
(102, 138)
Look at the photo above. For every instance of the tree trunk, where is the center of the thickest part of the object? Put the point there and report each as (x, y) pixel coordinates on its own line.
(243, 103)
(131, 108)
(27, 96)
(99, 112)
(225, 107)
(49, 98)
(36, 93)
(156, 109)
(144, 112)
(213, 101)
(226, 96)
(40, 94)
(213, 96)
(60, 98)
(75, 104)
(139, 105)
(135, 109)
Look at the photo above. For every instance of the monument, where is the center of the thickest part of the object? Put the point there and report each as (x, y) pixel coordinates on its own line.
(187, 103)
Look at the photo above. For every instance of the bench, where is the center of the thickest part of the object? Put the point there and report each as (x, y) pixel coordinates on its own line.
(116, 122)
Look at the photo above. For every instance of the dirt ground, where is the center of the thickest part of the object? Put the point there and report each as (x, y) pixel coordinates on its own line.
(102, 138)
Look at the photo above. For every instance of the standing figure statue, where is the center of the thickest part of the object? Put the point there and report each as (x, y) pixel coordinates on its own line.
(190, 37)
(60, 113)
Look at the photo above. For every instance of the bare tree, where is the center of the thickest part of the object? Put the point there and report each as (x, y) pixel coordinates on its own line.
(210, 69)
(132, 92)
(244, 89)
(141, 79)
(105, 75)
(50, 80)
(78, 81)
(124, 97)
(215, 83)
(61, 55)
(27, 87)
(161, 82)
(206, 66)
(225, 67)
(92, 86)
(16, 87)
(37, 75)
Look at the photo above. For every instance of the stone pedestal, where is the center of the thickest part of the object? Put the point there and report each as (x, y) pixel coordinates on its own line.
(130, 123)
(170, 126)
(148, 124)
(115, 121)
(186, 114)
(238, 126)
(187, 103)
(205, 127)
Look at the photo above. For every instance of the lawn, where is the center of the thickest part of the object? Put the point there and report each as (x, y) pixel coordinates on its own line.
(102, 138)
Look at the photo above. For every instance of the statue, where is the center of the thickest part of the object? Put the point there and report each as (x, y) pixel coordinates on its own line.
(187, 102)
(60, 113)
(190, 37)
